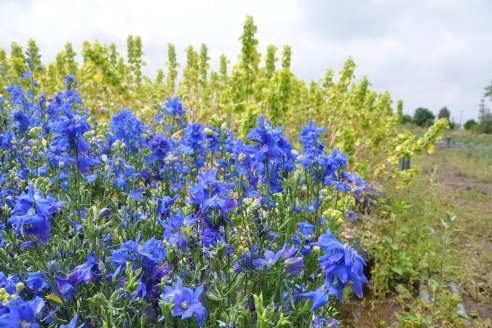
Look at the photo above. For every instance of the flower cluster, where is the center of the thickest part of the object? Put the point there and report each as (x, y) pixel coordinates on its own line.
(173, 224)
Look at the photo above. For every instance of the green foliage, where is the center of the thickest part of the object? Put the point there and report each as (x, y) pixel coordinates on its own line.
(406, 119)
(444, 113)
(423, 117)
(470, 124)
(172, 72)
(361, 121)
(486, 124)
(488, 91)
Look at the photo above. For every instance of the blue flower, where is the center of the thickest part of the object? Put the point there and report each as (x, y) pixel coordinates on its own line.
(32, 213)
(160, 147)
(271, 144)
(305, 228)
(294, 265)
(321, 295)
(148, 255)
(85, 272)
(268, 261)
(37, 281)
(341, 262)
(310, 138)
(127, 128)
(192, 144)
(351, 215)
(173, 107)
(19, 313)
(73, 323)
(186, 302)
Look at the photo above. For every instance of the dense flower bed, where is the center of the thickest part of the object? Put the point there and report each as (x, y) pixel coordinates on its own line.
(175, 224)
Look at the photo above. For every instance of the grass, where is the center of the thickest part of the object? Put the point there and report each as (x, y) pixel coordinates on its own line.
(411, 247)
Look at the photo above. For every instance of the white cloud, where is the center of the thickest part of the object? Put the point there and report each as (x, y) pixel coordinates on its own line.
(430, 54)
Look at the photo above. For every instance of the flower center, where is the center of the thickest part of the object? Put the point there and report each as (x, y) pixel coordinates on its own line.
(184, 305)
(25, 324)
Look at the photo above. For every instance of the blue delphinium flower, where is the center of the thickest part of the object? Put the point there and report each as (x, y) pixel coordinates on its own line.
(19, 313)
(148, 255)
(271, 144)
(310, 138)
(32, 213)
(321, 296)
(86, 272)
(160, 146)
(268, 261)
(73, 323)
(341, 262)
(37, 281)
(127, 128)
(172, 229)
(351, 215)
(186, 302)
(322, 322)
(192, 144)
(294, 265)
(210, 194)
(174, 107)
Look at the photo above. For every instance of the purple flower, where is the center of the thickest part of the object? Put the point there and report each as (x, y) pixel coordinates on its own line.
(294, 265)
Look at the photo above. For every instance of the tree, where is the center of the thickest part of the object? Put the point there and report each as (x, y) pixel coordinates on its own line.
(405, 119)
(486, 124)
(488, 91)
(470, 124)
(444, 113)
(423, 117)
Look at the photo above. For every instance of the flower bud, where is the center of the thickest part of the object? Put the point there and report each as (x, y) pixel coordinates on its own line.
(19, 287)
(208, 132)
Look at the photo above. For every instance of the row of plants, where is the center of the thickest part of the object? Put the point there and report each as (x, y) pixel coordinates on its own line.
(196, 211)
(129, 224)
(361, 122)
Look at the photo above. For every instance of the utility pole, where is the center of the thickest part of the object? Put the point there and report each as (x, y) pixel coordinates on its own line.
(461, 119)
(481, 110)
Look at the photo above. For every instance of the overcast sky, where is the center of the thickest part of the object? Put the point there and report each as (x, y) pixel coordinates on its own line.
(429, 53)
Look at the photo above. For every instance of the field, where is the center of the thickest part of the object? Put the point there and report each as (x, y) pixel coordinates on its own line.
(452, 180)
(239, 198)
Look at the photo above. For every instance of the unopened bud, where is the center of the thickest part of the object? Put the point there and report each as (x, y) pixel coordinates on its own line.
(19, 287)
(208, 132)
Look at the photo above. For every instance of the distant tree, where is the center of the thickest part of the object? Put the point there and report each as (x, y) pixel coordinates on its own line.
(488, 91)
(406, 119)
(423, 117)
(444, 113)
(470, 124)
(486, 124)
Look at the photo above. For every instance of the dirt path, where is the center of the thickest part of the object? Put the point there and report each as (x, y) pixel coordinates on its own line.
(454, 181)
